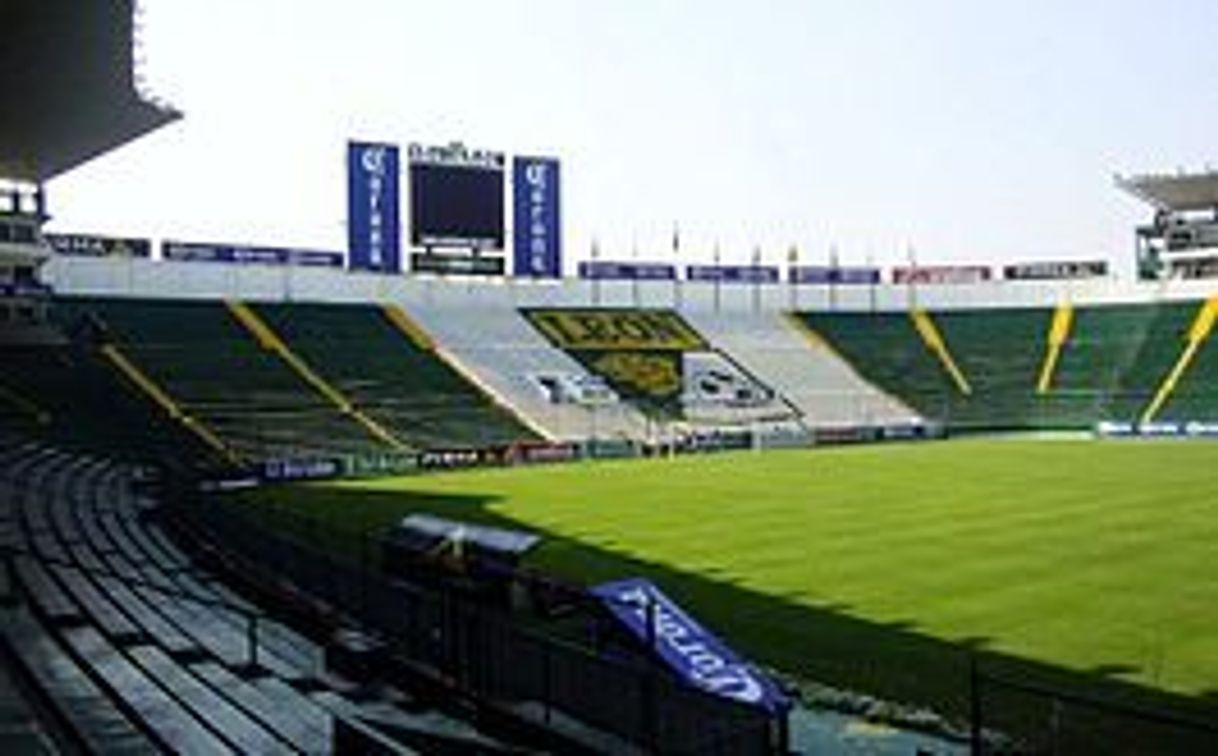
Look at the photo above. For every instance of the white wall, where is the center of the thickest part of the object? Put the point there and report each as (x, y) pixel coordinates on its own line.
(148, 278)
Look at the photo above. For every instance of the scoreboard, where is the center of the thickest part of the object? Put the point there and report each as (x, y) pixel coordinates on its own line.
(456, 198)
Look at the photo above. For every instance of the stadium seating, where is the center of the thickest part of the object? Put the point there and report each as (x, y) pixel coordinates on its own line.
(75, 399)
(510, 357)
(1109, 369)
(1001, 352)
(806, 372)
(200, 356)
(1118, 355)
(135, 648)
(885, 349)
(1195, 398)
(398, 383)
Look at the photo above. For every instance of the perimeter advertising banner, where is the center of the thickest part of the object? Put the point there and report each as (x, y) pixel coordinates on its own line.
(942, 274)
(828, 274)
(245, 255)
(695, 654)
(537, 223)
(1054, 271)
(373, 215)
(606, 270)
(91, 245)
(733, 274)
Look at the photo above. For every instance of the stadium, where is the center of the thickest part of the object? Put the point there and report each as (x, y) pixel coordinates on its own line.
(426, 494)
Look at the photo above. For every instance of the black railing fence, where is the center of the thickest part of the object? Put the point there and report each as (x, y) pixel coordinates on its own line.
(1024, 716)
(609, 702)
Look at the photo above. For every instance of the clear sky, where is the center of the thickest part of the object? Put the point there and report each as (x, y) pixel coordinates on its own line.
(973, 131)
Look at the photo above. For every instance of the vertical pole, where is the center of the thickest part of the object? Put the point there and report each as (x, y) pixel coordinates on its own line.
(756, 279)
(793, 278)
(251, 629)
(545, 679)
(974, 684)
(676, 275)
(596, 280)
(717, 277)
(634, 280)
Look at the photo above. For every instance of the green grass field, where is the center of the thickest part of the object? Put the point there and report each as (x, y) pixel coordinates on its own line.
(875, 567)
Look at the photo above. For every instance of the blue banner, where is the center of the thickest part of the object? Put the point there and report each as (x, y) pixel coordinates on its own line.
(754, 274)
(245, 255)
(300, 468)
(698, 657)
(374, 238)
(627, 271)
(537, 223)
(92, 245)
(827, 274)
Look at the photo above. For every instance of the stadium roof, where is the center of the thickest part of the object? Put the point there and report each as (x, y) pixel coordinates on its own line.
(1179, 192)
(68, 83)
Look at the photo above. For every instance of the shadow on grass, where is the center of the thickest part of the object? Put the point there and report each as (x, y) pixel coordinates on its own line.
(823, 644)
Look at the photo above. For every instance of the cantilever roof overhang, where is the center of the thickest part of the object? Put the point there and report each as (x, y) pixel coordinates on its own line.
(1179, 192)
(67, 83)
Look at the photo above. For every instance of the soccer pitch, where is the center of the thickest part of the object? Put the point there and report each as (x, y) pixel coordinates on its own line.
(875, 566)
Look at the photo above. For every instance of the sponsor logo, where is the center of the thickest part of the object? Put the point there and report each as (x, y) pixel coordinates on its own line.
(373, 161)
(607, 270)
(301, 469)
(84, 245)
(1048, 271)
(695, 654)
(455, 154)
(743, 274)
(814, 274)
(942, 274)
(539, 453)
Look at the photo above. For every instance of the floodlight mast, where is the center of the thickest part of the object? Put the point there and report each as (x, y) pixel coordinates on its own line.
(1181, 240)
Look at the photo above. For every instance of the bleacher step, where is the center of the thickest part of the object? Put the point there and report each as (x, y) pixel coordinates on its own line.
(44, 593)
(84, 709)
(246, 735)
(283, 716)
(165, 719)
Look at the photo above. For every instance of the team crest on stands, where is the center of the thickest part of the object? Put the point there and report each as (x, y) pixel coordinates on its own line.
(657, 361)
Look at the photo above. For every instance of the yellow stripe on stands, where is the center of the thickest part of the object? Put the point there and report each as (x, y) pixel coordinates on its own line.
(270, 341)
(1059, 333)
(934, 342)
(819, 343)
(423, 340)
(163, 400)
(410, 329)
(1203, 324)
(41, 416)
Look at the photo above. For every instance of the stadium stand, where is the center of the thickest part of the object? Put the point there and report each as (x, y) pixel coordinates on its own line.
(510, 357)
(133, 647)
(885, 350)
(1111, 362)
(1194, 342)
(69, 394)
(1001, 351)
(802, 368)
(1117, 357)
(397, 380)
(202, 358)
(1195, 397)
